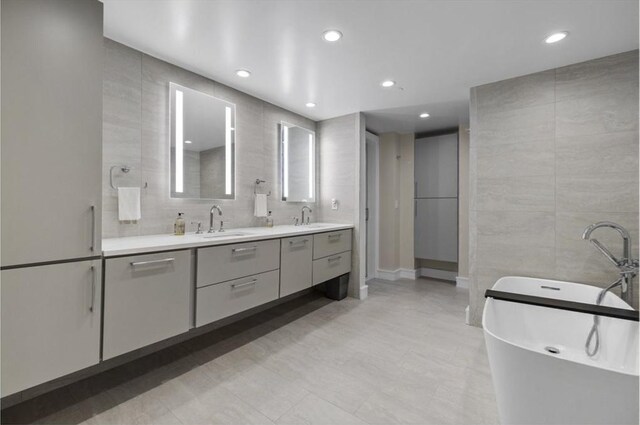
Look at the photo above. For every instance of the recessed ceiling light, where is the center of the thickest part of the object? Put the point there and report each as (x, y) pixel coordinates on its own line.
(188, 142)
(388, 83)
(555, 37)
(332, 35)
(310, 105)
(424, 115)
(243, 73)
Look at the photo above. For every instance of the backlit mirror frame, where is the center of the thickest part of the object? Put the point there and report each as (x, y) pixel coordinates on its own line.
(176, 108)
(283, 142)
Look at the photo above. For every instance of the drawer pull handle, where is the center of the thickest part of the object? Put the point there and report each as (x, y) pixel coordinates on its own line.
(334, 237)
(240, 285)
(150, 262)
(93, 228)
(303, 241)
(331, 260)
(93, 288)
(239, 250)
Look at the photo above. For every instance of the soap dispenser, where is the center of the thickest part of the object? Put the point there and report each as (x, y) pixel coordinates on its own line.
(269, 220)
(179, 226)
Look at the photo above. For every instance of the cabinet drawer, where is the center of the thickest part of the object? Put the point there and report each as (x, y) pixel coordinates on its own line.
(146, 300)
(215, 302)
(325, 244)
(330, 267)
(222, 263)
(296, 264)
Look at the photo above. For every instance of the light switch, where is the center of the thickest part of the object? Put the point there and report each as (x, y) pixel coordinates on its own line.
(334, 204)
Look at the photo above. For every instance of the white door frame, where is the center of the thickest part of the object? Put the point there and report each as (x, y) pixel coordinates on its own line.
(373, 143)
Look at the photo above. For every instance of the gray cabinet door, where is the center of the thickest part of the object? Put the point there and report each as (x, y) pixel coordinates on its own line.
(50, 322)
(436, 167)
(146, 300)
(296, 263)
(52, 59)
(436, 229)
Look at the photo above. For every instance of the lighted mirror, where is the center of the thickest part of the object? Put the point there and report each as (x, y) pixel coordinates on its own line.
(297, 163)
(202, 145)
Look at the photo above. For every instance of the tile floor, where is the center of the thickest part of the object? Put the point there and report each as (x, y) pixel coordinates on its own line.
(402, 356)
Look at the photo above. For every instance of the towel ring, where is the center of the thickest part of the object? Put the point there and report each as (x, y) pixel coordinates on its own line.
(255, 187)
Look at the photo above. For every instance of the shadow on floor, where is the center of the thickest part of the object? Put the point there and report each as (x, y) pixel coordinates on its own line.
(162, 365)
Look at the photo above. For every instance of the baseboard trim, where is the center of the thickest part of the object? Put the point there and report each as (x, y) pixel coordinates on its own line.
(462, 282)
(408, 274)
(438, 274)
(397, 274)
(364, 292)
(386, 274)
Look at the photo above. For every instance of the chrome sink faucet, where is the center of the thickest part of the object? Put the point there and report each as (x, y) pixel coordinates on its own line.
(308, 209)
(627, 266)
(211, 229)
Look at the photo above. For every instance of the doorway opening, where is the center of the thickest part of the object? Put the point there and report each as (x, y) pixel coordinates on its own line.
(372, 204)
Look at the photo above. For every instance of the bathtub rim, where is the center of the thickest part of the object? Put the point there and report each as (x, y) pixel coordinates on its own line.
(520, 346)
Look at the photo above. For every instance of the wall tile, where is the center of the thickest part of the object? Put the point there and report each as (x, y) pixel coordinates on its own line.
(609, 74)
(121, 131)
(525, 125)
(530, 90)
(516, 227)
(529, 193)
(613, 192)
(516, 159)
(597, 154)
(605, 112)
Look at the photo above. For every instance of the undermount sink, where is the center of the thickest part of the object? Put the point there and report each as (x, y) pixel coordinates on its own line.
(222, 235)
(317, 226)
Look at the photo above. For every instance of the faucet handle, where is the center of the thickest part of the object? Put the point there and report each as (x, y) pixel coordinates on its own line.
(295, 220)
(199, 223)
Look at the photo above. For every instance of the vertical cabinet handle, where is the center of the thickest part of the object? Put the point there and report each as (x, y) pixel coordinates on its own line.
(93, 228)
(93, 288)
(415, 208)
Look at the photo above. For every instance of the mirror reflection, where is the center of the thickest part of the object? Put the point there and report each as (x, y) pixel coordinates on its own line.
(202, 145)
(297, 148)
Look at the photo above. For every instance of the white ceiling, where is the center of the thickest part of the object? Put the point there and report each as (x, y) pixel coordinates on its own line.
(435, 49)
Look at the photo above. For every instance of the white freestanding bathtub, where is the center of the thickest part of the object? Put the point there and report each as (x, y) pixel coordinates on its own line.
(535, 386)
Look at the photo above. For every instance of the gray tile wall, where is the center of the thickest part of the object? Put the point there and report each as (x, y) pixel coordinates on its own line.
(136, 133)
(551, 153)
(340, 148)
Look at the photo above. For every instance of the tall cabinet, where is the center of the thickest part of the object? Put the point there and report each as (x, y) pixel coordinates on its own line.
(51, 159)
(436, 198)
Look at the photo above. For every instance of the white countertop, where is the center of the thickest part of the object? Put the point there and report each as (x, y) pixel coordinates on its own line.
(153, 243)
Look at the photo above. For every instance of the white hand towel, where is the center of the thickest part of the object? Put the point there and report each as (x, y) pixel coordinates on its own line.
(261, 205)
(128, 203)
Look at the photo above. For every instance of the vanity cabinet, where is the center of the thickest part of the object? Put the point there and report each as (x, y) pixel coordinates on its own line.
(50, 322)
(296, 264)
(52, 60)
(146, 300)
(331, 255)
(223, 263)
(220, 300)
